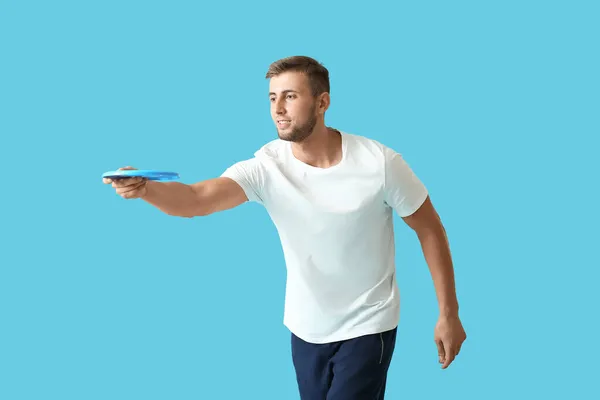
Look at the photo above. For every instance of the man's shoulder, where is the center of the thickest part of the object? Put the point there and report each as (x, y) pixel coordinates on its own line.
(263, 156)
(272, 150)
(367, 144)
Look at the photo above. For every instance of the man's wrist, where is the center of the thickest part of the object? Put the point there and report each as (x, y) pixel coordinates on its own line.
(145, 189)
(449, 311)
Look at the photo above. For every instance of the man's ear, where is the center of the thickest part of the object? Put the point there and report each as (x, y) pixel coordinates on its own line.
(323, 102)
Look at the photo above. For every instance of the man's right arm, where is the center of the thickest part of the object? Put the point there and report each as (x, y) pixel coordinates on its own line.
(198, 199)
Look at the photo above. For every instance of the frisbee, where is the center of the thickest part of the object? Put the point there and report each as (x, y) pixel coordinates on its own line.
(149, 174)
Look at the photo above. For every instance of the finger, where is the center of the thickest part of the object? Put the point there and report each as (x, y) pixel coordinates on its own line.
(449, 355)
(125, 168)
(129, 188)
(440, 348)
(133, 194)
(123, 182)
(447, 362)
(106, 180)
(458, 348)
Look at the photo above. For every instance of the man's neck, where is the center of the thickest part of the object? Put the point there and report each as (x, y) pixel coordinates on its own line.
(322, 149)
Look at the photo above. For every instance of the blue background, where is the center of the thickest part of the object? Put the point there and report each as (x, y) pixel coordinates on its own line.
(495, 105)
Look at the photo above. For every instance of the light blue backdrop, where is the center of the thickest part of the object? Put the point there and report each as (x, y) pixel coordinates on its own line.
(494, 104)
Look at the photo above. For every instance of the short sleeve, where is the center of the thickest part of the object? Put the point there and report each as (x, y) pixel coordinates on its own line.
(404, 191)
(250, 175)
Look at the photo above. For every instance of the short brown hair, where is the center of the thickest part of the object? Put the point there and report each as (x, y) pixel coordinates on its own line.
(318, 75)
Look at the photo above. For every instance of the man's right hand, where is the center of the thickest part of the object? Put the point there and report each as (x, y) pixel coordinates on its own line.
(178, 199)
(128, 188)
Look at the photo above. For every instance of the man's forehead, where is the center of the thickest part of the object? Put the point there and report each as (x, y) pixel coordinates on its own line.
(296, 81)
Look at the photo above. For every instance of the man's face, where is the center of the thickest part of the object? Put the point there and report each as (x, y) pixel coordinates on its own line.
(293, 107)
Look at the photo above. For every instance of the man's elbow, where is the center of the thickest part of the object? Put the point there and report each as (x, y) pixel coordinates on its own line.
(197, 212)
(187, 214)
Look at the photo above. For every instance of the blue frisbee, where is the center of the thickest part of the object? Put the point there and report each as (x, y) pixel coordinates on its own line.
(149, 174)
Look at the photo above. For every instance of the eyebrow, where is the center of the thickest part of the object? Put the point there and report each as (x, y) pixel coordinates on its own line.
(284, 92)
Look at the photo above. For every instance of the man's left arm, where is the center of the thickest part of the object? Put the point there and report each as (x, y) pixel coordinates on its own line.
(449, 334)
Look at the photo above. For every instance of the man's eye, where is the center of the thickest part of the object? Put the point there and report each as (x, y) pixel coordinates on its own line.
(290, 96)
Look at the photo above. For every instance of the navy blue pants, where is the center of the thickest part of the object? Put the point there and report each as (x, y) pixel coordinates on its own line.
(354, 369)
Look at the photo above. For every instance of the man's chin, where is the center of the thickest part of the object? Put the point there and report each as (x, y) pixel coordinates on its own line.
(286, 136)
(293, 137)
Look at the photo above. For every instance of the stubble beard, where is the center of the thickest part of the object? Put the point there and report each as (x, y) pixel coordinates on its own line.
(299, 133)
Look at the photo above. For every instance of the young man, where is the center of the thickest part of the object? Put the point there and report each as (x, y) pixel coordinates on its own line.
(331, 196)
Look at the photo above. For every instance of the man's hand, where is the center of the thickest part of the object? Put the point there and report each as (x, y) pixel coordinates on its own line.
(449, 336)
(128, 188)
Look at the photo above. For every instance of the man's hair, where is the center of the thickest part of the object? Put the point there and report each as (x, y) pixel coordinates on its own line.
(318, 75)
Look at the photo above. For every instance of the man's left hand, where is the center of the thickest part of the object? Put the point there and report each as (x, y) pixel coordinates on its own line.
(449, 336)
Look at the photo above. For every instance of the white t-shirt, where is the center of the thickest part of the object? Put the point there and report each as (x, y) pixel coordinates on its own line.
(336, 231)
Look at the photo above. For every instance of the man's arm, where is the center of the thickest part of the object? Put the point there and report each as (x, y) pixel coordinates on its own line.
(198, 199)
(449, 333)
(431, 233)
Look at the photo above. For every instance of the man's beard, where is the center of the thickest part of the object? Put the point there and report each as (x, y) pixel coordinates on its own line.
(299, 133)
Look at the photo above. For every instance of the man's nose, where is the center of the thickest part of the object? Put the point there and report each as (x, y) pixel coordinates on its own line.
(280, 107)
